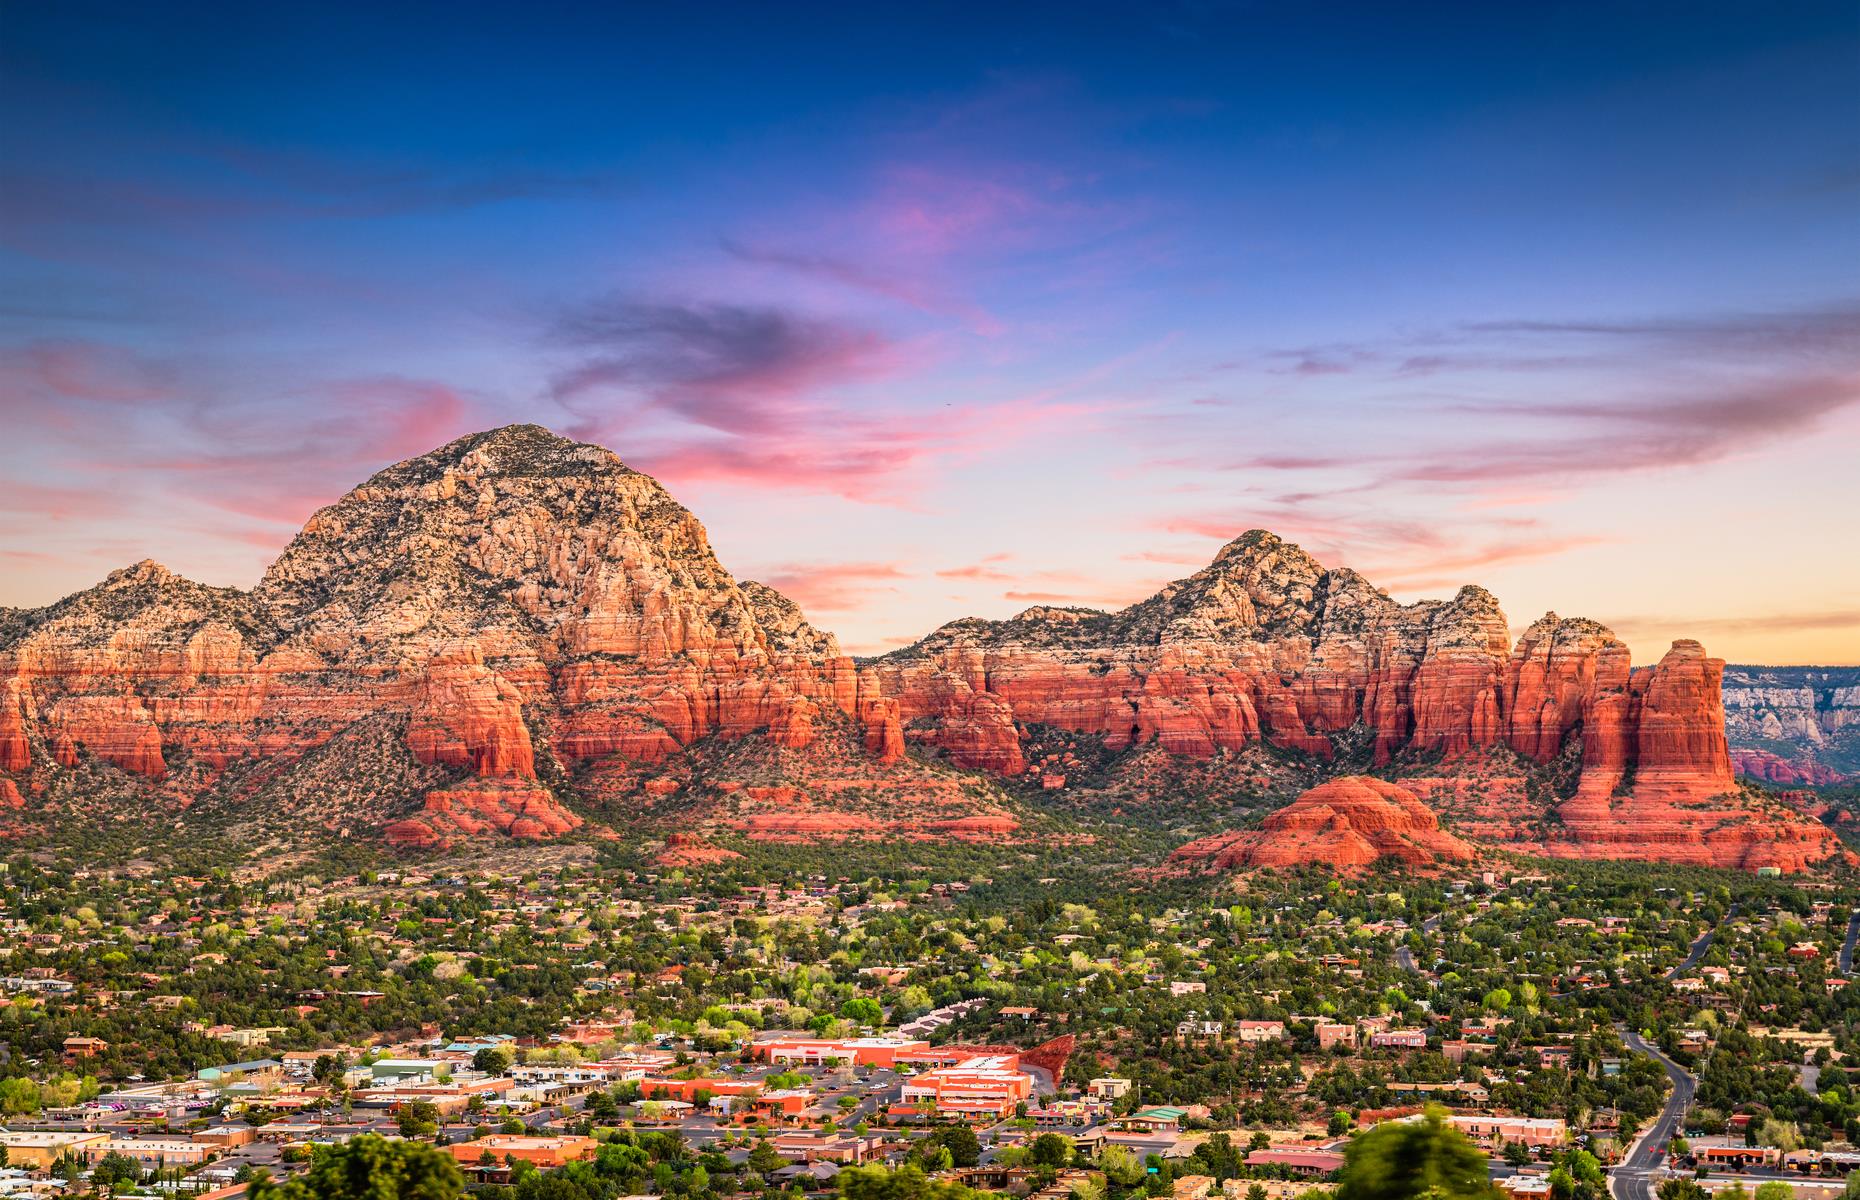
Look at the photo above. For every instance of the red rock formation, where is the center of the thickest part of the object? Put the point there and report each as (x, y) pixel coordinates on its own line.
(527, 608)
(1346, 825)
(1773, 768)
(689, 850)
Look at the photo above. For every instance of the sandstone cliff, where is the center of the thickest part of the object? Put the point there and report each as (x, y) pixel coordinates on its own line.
(1345, 825)
(1267, 644)
(516, 632)
(1794, 725)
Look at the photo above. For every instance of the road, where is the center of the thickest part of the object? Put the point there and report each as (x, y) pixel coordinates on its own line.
(1404, 958)
(1701, 945)
(1847, 947)
(1632, 1179)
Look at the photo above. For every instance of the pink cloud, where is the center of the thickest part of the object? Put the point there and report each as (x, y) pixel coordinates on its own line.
(834, 587)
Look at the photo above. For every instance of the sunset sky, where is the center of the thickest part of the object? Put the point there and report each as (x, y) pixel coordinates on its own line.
(963, 309)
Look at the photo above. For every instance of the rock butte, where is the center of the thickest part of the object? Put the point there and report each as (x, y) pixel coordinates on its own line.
(515, 620)
(1346, 825)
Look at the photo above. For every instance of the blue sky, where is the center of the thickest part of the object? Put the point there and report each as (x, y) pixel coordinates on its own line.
(953, 310)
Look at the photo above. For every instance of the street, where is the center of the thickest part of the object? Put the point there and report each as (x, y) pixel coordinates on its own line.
(1632, 1178)
(1702, 944)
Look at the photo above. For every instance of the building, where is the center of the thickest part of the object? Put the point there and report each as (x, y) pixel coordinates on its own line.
(1535, 1132)
(1400, 1039)
(1330, 1033)
(1298, 1162)
(1157, 1120)
(1255, 1032)
(858, 1052)
(985, 1086)
(545, 1153)
(84, 1047)
(257, 1070)
(37, 1151)
(152, 1153)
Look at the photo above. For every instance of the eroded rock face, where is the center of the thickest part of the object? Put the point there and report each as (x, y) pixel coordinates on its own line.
(1345, 825)
(515, 610)
(506, 584)
(1794, 725)
(1267, 644)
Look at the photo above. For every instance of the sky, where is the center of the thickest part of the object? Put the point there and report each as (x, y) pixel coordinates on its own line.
(946, 310)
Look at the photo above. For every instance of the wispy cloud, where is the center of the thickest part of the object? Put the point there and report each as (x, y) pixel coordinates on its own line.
(834, 587)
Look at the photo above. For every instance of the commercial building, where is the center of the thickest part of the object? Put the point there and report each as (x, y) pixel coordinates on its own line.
(544, 1153)
(38, 1150)
(984, 1086)
(858, 1052)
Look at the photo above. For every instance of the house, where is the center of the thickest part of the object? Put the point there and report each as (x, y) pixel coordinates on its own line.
(1308, 1163)
(84, 1047)
(258, 1070)
(1400, 1039)
(1254, 1032)
(1331, 1033)
(543, 1152)
(1160, 1119)
(1109, 1087)
(1198, 1031)
(152, 1153)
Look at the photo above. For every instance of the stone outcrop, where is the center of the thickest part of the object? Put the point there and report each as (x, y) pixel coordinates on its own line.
(1267, 644)
(529, 626)
(1790, 725)
(1346, 825)
(515, 596)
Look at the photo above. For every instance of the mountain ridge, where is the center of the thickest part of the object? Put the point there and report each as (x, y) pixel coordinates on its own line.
(552, 635)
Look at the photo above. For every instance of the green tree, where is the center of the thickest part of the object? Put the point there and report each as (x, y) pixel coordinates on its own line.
(492, 1060)
(1405, 1160)
(1774, 1189)
(114, 1170)
(965, 1149)
(1052, 1150)
(19, 1096)
(764, 1159)
(419, 1118)
(370, 1167)
(862, 1009)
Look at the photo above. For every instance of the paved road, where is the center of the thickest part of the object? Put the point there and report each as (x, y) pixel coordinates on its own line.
(1847, 947)
(1404, 958)
(1701, 945)
(1632, 1178)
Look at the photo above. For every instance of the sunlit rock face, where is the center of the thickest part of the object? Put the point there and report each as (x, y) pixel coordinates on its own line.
(1346, 825)
(490, 640)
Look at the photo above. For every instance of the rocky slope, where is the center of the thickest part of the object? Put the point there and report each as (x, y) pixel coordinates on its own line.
(520, 606)
(1794, 725)
(1346, 825)
(515, 633)
(1267, 644)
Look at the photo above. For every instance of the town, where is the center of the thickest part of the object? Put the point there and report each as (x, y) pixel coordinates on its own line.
(734, 1030)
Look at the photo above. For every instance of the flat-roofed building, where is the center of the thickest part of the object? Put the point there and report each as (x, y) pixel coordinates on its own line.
(859, 1052)
(36, 1150)
(542, 1152)
(152, 1152)
(987, 1085)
